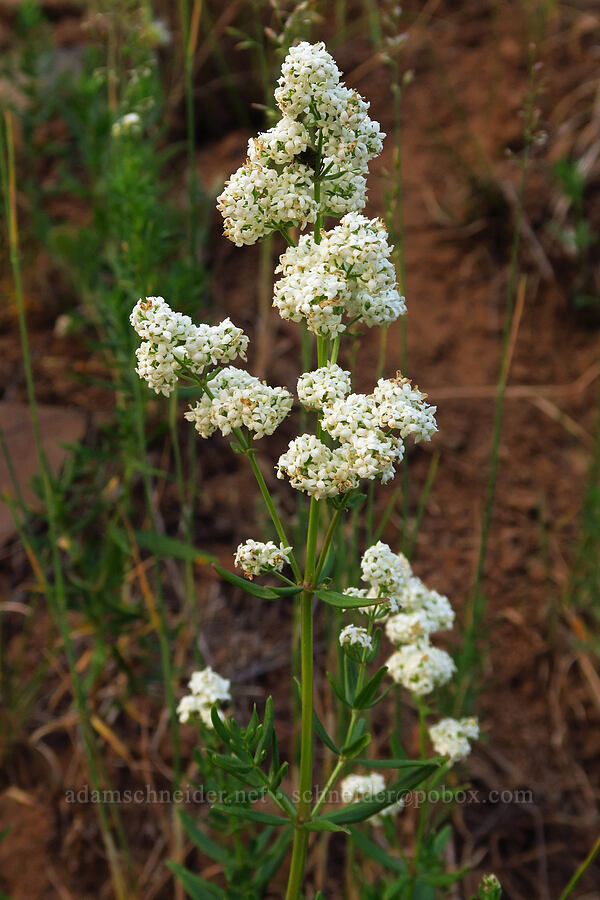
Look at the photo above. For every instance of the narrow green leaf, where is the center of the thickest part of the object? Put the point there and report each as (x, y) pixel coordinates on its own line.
(355, 500)
(328, 564)
(251, 815)
(231, 764)
(342, 601)
(366, 695)
(322, 824)
(237, 797)
(267, 726)
(271, 862)
(279, 776)
(322, 734)
(219, 725)
(375, 852)
(374, 653)
(364, 809)
(339, 691)
(350, 679)
(401, 763)
(249, 587)
(207, 845)
(353, 748)
(274, 767)
(444, 879)
(196, 887)
(290, 591)
(441, 839)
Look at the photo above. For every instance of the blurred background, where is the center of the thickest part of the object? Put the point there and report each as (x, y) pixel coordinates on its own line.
(112, 506)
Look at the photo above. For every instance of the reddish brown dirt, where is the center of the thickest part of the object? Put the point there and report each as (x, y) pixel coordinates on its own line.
(539, 704)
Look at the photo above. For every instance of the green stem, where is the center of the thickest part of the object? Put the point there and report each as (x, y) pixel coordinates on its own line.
(327, 542)
(248, 450)
(581, 870)
(288, 238)
(339, 766)
(188, 72)
(57, 598)
(336, 349)
(185, 504)
(321, 351)
(300, 845)
(424, 807)
(270, 504)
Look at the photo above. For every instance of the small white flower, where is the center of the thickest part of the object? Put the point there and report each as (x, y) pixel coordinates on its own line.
(207, 688)
(386, 570)
(362, 787)
(130, 123)
(348, 274)
(420, 617)
(310, 87)
(314, 468)
(280, 144)
(318, 389)
(402, 407)
(258, 200)
(258, 558)
(239, 398)
(366, 787)
(171, 341)
(421, 667)
(308, 71)
(450, 737)
(356, 636)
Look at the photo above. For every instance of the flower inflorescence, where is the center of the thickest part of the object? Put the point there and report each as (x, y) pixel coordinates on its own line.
(207, 688)
(172, 344)
(235, 398)
(259, 558)
(312, 162)
(347, 274)
(450, 737)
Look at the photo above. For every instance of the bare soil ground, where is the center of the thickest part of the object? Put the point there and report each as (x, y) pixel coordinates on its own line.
(539, 701)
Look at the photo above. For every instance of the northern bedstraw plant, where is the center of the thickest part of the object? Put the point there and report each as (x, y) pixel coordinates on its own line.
(312, 165)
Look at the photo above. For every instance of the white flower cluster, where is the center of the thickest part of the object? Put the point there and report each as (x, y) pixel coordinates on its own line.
(355, 421)
(315, 468)
(385, 570)
(324, 386)
(356, 636)
(366, 787)
(171, 341)
(280, 144)
(310, 89)
(235, 398)
(450, 737)
(258, 557)
(257, 200)
(387, 575)
(421, 667)
(424, 612)
(402, 407)
(207, 688)
(348, 274)
(324, 134)
(130, 123)
(418, 612)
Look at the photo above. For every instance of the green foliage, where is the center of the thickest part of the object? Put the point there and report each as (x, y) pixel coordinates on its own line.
(248, 771)
(584, 585)
(577, 236)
